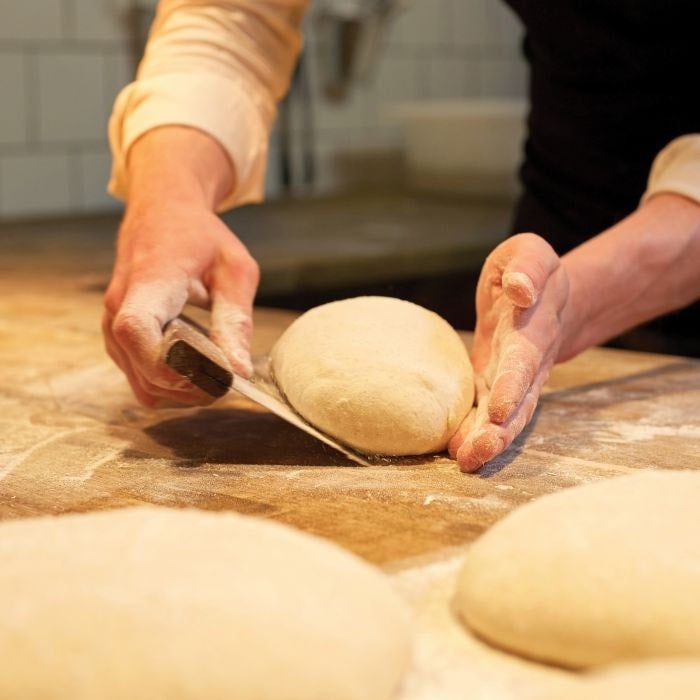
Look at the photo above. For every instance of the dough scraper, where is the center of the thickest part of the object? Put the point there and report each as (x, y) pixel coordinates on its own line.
(188, 350)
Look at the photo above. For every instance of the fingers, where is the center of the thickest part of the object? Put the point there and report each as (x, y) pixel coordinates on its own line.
(527, 334)
(170, 253)
(532, 261)
(139, 305)
(477, 416)
(520, 289)
(479, 440)
(132, 332)
(527, 350)
(522, 265)
(520, 296)
(234, 284)
(516, 370)
(487, 441)
(137, 325)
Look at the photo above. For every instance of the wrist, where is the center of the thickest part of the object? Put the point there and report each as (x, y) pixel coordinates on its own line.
(177, 163)
(642, 267)
(575, 315)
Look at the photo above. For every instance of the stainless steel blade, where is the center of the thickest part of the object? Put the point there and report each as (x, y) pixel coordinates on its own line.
(283, 410)
(188, 350)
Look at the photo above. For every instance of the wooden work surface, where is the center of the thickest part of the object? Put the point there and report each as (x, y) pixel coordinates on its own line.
(73, 439)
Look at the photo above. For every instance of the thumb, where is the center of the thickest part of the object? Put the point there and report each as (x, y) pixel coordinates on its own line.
(531, 261)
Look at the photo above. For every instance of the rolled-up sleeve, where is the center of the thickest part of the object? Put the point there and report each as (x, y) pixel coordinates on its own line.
(220, 67)
(677, 169)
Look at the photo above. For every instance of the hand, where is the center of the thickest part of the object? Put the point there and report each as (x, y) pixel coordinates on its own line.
(169, 255)
(172, 249)
(520, 299)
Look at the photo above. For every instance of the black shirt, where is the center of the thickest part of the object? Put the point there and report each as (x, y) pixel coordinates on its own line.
(612, 82)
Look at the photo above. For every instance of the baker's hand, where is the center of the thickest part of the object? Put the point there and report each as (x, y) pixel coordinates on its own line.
(172, 249)
(167, 256)
(521, 295)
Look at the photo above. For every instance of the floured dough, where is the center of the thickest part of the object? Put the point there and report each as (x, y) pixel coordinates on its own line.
(592, 574)
(662, 679)
(382, 375)
(180, 604)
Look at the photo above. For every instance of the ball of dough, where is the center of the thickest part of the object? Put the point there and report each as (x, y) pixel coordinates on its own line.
(592, 574)
(662, 679)
(382, 375)
(159, 603)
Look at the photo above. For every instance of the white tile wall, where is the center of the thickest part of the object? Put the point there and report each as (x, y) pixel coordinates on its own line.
(503, 24)
(71, 96)
(469, 26)
(93, 169)
(22, 20)
(63, 61)
(100, 20)
(452, 76)
(503, 76)
(273, 186)
(422, 23)
(35, 185)
(397, 76)
(13, 112)
(119, 70)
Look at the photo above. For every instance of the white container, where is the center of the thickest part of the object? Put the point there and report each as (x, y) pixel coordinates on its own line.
(469, 147)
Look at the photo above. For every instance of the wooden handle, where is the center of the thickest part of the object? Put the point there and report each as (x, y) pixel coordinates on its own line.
(188, 350)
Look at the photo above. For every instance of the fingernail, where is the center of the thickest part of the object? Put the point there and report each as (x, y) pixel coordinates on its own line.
(520, 288)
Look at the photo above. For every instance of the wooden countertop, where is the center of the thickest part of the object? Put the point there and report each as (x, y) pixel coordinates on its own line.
(73, 439)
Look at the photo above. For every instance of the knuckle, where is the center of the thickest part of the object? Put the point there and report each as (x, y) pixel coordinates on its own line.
(240, 262)
(125, 327)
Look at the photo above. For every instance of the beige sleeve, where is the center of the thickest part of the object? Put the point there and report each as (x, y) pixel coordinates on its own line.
(219, 66)
(677, 169)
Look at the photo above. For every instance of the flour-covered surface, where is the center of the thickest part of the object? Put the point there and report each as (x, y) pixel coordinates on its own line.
(72, 437)
(449, 662)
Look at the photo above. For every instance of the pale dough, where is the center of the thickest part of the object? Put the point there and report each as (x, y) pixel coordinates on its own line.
(662, 679)
(382, 375)
(179, 604)
(592, 574)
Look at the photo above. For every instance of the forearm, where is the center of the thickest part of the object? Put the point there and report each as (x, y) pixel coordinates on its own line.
(172, 249)
(643, 267)
(174, 162)
(218, 66)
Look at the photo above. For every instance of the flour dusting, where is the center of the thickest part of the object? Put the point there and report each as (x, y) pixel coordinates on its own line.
(449, 663)
(618, 432)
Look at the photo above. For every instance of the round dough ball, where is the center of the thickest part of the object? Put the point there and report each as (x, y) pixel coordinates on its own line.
(663, 679)
(592, 574)
(381, 375)
(159, 603)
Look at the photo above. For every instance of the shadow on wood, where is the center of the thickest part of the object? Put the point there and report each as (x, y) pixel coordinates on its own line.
(236, 436)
